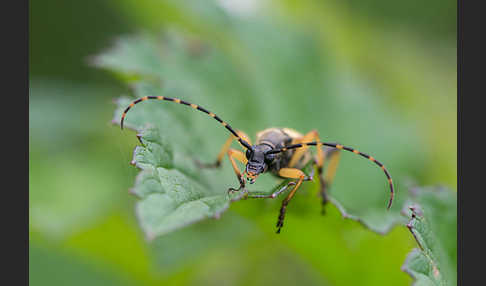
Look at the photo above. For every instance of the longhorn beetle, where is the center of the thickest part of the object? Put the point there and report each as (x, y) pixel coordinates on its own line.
(280, 151)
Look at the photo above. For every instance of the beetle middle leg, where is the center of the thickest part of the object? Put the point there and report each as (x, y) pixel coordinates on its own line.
(291, 173)
(299, 153)
(279, 191)
(272, 195)
(319, 161)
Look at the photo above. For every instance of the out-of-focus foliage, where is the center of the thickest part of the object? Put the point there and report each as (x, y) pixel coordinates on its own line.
(378, 79)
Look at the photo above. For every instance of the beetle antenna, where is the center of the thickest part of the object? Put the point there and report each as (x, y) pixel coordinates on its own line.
(194, 106)
(341, 147)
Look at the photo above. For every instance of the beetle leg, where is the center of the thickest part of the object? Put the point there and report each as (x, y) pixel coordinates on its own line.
(223, 151)
(291, 173)
(279, 191)
(238, 155)
(273, 195)
(333, 156)
(311, 136)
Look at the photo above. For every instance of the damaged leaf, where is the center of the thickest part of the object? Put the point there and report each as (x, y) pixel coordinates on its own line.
(433, 224)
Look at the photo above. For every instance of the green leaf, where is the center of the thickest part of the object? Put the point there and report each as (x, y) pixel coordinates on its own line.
(171, 194)
(193, 79)
(433, 224)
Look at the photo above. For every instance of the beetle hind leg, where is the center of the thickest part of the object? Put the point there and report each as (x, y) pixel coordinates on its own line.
(326, 178)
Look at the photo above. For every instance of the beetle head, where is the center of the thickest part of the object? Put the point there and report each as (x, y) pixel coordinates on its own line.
(258, 161)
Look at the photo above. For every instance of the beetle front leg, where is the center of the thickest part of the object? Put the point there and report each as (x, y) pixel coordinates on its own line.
(223, 151)
(238, 155)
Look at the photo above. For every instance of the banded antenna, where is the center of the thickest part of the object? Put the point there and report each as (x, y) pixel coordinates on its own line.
(341, 147)
(194, 106)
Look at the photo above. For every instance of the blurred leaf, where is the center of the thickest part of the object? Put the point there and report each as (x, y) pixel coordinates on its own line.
(74, 176)
(256, 262)
(49, 266)
(226, 234)
(117, 242)
(433, 224)
(49, 57)
(60, 206)
(72, 111)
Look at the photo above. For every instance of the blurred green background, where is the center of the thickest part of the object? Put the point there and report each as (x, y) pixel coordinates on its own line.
(376, 75)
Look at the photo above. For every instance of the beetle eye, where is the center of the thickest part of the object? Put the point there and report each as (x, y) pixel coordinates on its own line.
(248, 153)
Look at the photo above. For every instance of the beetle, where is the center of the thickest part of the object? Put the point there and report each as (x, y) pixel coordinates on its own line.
(282, 152)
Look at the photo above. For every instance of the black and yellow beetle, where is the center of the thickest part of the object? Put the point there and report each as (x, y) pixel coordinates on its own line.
(280, 151)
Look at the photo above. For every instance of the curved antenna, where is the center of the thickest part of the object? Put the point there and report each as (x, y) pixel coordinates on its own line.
(341, 147)
(194, 106)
